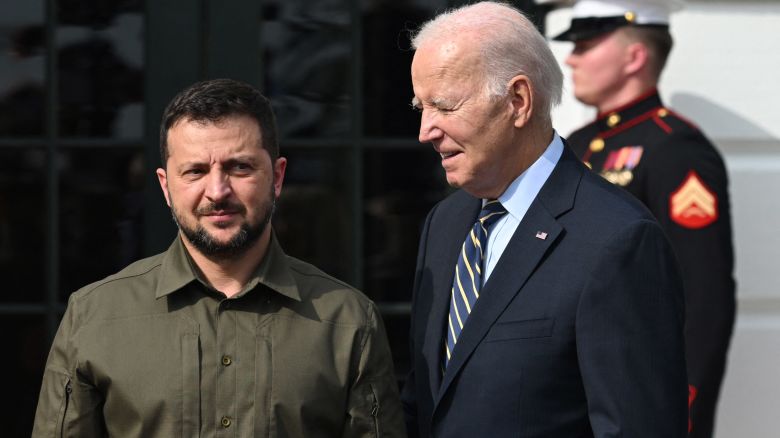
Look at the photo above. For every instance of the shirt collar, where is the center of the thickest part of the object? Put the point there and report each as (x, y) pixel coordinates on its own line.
(517, 198)
(177, 270)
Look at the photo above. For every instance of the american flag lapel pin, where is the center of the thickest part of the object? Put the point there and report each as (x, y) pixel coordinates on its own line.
(541, 235)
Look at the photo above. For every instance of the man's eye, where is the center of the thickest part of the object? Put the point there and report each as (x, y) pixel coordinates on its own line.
(416, 108)
(241, 168)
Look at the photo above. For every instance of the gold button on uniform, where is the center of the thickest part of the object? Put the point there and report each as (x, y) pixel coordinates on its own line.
(226, 422)
(613, 120)
(226, 360)
(630, 16)
(597, 145)
(663, 112)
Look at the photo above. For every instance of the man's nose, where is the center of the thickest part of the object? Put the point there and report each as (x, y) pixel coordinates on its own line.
(570, 59)
(218, 186)
(429, 131)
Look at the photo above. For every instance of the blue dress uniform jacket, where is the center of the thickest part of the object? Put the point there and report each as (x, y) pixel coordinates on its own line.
(577, 332)
(669, 165)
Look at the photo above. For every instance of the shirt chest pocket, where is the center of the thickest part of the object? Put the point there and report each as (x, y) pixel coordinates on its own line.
(148, 371)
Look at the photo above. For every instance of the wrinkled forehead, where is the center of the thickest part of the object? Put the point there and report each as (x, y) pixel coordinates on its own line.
(455, 59)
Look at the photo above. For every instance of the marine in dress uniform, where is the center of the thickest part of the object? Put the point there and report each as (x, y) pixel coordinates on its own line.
(664, 160)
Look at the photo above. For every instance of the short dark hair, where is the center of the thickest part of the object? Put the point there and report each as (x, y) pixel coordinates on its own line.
(657, 39)
(216, 99)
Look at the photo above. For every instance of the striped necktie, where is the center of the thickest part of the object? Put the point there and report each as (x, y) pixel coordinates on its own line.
(468, 273)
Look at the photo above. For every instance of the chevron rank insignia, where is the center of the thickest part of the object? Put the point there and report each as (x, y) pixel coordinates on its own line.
(693, 205)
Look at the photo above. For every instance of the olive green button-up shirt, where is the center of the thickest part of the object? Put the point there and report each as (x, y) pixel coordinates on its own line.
(153, 351)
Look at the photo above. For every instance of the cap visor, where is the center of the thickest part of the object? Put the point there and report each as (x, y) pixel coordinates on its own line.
(582, 34)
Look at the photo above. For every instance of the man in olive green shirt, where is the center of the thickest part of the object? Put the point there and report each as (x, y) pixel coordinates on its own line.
(223, 334)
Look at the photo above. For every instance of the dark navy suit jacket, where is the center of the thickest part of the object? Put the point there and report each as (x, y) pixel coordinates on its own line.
(577, 334)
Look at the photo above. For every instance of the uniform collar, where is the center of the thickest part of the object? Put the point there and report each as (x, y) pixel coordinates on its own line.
(178, 270)
(612, 119)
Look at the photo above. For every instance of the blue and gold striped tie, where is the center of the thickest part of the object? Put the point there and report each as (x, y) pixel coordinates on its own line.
(468, 273)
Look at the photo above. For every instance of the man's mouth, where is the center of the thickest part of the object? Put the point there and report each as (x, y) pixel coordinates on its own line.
(222, 213)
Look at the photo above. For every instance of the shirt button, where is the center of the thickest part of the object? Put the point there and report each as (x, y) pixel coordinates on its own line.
(226, 422)
(226, 360)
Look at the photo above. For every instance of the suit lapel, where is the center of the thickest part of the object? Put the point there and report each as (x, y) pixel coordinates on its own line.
(444, 252)
(521, 256)
(516, 264)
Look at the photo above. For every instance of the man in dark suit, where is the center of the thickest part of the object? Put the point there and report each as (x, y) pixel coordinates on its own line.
(547, 302)
(638, 143)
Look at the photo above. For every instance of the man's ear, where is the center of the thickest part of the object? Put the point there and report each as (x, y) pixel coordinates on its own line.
(279, 167)
(637, 58)
(162, 177)
(522, 97)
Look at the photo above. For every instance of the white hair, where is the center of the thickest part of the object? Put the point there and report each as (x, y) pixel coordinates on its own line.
(510, 45)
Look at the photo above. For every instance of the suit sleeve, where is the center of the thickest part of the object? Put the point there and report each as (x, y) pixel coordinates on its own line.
(706, 259)
(374, 410)
(629, 332)
(67, 406)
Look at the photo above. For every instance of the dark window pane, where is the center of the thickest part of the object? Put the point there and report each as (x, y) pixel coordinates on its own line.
(23, 224)
(401, 186)
(101, 213)
(22, 67)
(100, 68)
(387, 57)
(313, 220)
(26, 344)
(397, 326)
(306, 61)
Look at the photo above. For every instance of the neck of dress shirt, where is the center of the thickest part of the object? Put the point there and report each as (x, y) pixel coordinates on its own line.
(516, 199)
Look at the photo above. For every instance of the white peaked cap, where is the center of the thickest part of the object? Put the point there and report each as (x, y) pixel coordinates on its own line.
(645, 11)
(593, 17)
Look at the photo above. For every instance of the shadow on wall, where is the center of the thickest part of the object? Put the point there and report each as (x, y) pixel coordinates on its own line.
(715, 120)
